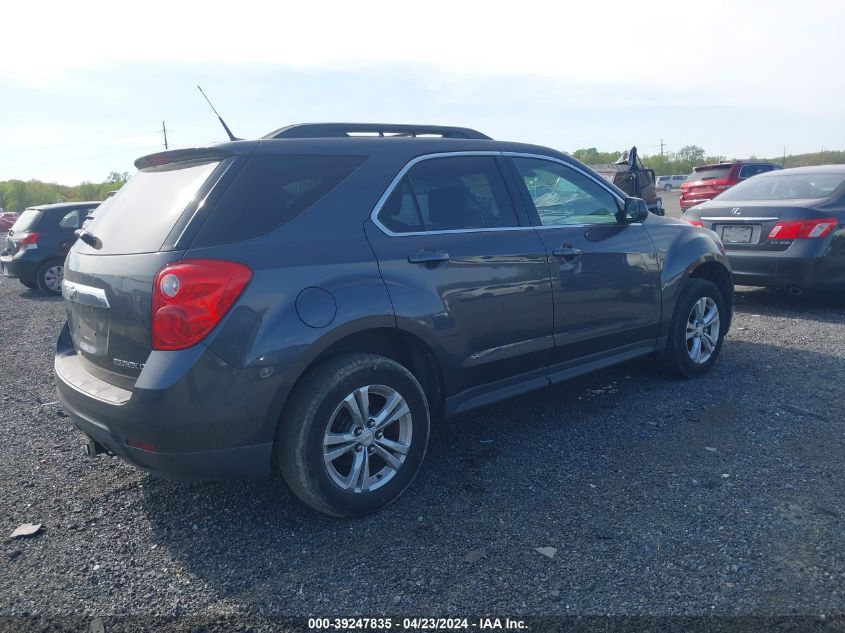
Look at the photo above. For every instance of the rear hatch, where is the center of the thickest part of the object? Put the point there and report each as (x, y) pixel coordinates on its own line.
(108, 285)
(24, 225)
(747, 225)
(705, 183)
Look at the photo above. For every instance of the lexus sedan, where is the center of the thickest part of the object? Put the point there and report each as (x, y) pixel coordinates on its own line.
(784, 228)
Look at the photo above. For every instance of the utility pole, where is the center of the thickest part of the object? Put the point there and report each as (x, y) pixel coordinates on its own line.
(784, 155)
(164, 131)
(662, 159)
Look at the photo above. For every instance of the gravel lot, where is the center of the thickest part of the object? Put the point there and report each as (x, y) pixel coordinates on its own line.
(722, 495)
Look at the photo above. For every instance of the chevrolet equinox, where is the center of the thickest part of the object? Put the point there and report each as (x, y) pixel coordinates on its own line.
(309, 301)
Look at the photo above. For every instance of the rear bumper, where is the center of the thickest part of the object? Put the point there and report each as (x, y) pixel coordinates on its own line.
(242, 462)
(686, 203)
(197, 419)
(785, 270)
(19, 267)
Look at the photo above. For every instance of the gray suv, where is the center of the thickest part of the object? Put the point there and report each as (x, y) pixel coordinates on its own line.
(309, 301)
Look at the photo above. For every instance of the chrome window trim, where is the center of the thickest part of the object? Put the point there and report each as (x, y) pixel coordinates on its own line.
(599, 181)
(84, 295)
(398, 178)
(733, 218)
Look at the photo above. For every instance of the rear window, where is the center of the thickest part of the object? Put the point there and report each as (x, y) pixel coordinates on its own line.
(269, 191)
(709, 173)
(142, 214)
(26, 221)
(746, 171)
(785, 187)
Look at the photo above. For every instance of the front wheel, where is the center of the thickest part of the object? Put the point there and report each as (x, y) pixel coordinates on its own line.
(354, 434)
(50, 276)
(696, 331)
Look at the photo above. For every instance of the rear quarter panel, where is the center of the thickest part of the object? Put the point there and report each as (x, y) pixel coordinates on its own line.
(315, 281)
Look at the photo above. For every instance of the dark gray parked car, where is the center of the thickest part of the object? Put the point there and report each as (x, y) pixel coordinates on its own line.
(784, 228)
(311, 299)
(38, 241)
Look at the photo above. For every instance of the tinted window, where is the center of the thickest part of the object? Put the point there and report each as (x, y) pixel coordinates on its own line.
(564, 196)
(785, 187)
(746, 171)
(26, 221)
(448, 194)
(269, 191)
(70, 220)
(400, 213)
(145, 209)
(709, 173)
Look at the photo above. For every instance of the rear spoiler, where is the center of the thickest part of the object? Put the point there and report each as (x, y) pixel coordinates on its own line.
(181, 156)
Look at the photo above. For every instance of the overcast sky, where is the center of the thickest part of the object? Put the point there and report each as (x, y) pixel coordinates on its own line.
(84, 86)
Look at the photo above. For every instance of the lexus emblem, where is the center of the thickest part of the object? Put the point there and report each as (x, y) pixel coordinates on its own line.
(736, 211)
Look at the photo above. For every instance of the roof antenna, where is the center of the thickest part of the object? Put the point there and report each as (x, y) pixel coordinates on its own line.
(232, 137)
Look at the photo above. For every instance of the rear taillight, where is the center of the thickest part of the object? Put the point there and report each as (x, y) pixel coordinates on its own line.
(27, 241)
(190, 297)
(693, 222)
(721, 185)
(795, 229)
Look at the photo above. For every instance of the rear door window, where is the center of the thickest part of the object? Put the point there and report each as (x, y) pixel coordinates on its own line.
(269, 191)
(70, 220)
(450, 194)
(142, 214)
(746, 171)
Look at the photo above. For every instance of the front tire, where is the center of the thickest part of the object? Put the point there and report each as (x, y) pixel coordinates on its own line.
(50, 276)
(354, 434)
(696, 331)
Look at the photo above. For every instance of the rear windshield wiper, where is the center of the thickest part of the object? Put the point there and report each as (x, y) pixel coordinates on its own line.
(89, 238)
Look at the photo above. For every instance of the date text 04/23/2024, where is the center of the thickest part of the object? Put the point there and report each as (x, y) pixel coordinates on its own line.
(417, 624)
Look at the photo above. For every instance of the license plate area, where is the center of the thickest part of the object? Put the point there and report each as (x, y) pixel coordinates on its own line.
(739, 233)
(89, 329)
(89, 318)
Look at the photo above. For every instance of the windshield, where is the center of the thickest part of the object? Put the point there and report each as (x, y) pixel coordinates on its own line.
(785, 187)
(709, 173)
(26, 221)
(141, 215)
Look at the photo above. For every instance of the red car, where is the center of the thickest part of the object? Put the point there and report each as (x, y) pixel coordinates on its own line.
(7, 219)
(708, 181)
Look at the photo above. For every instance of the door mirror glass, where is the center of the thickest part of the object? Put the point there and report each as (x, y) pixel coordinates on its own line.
(635, 210)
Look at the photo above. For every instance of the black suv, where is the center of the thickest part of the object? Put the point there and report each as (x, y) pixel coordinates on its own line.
(310, 300)
(38, 242)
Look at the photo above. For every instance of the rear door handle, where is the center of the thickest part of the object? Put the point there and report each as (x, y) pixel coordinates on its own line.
(567, 252)
(428, 257)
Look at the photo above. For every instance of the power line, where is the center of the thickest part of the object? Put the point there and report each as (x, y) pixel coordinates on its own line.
(77, 144)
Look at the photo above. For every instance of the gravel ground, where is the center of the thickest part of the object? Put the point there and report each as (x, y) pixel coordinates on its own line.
(722, 495)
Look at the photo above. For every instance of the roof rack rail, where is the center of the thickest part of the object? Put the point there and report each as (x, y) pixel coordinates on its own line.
(345, 130)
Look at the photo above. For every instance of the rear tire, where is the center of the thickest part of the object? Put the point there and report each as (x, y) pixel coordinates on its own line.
(49, 277)
(696, 331)
(337, 447)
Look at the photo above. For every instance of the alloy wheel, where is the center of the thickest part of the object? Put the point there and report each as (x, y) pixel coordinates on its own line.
(702, 330)
(367, 438)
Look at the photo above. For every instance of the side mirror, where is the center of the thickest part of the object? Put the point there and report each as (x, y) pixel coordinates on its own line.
(635, 210)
